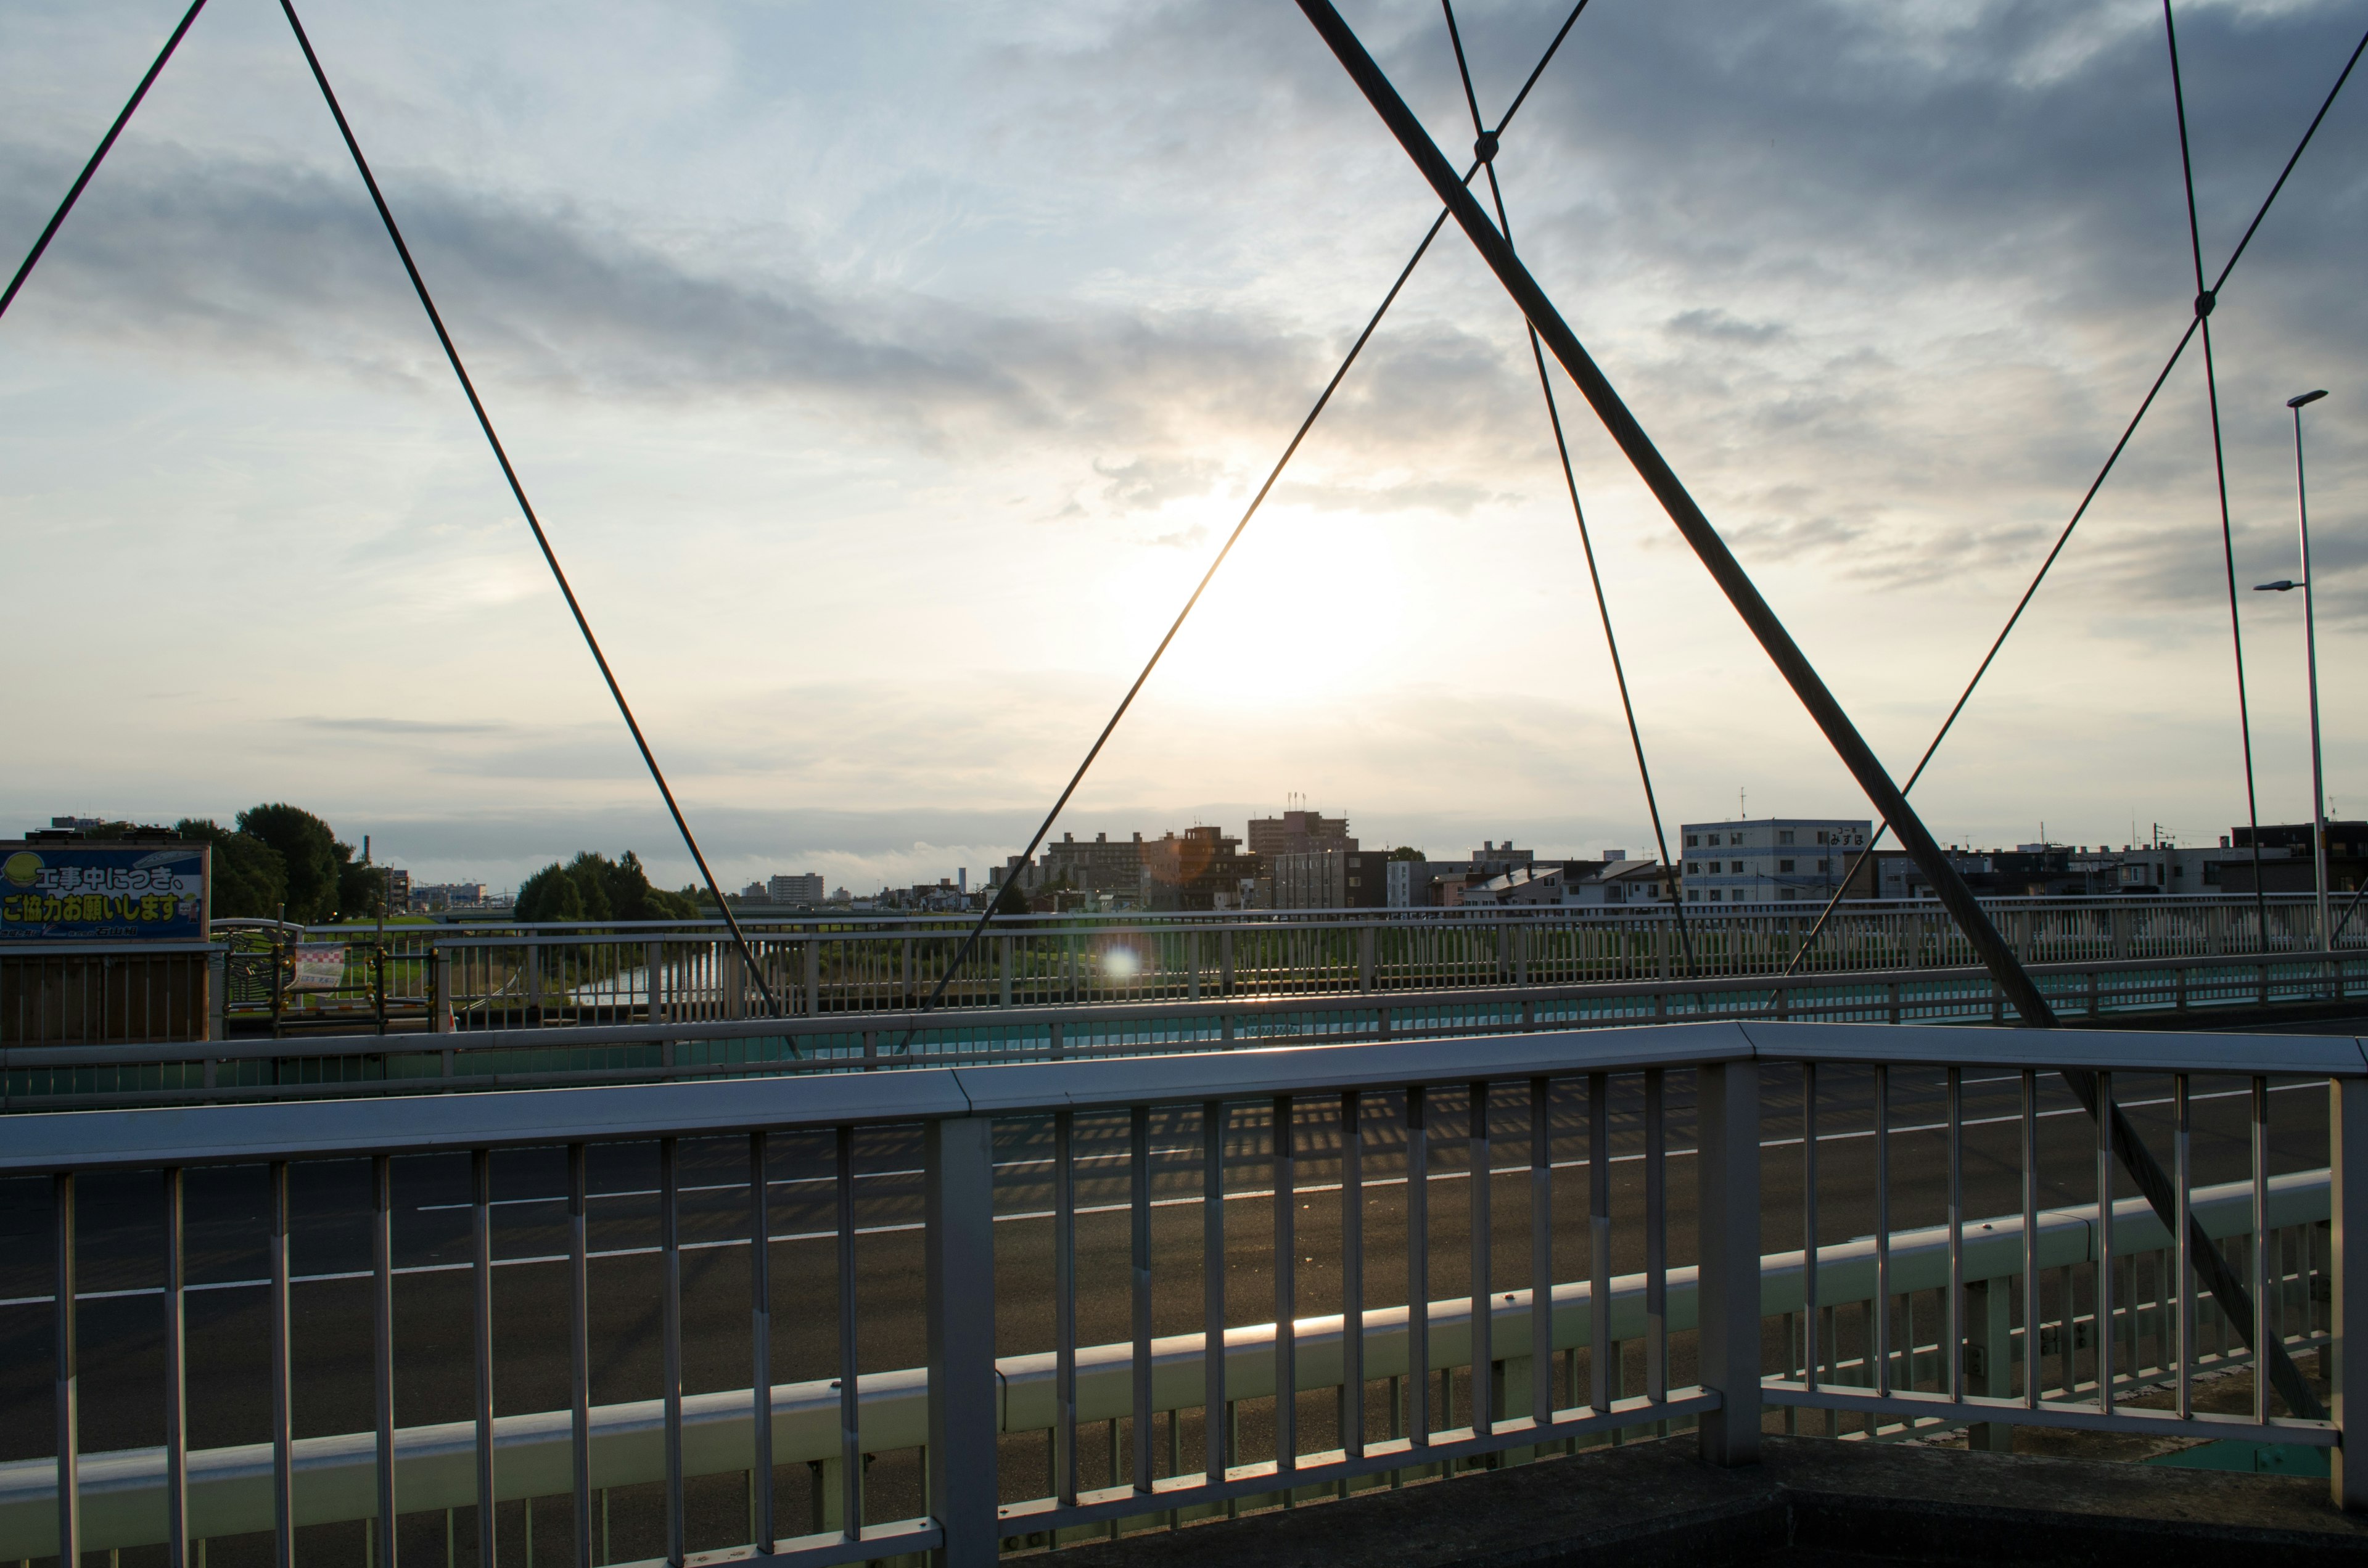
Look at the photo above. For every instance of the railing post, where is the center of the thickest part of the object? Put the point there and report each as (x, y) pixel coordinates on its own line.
(2347, 1121)
(1728, 1217)
(958, 1245)
(733, 977)
(217, 994)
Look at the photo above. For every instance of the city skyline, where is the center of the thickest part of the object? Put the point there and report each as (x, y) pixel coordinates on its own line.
(964, 412)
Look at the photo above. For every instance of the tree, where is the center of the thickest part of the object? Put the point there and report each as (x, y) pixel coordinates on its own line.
(309, 852)
(549, 894)
(594, 888)
(250, 876)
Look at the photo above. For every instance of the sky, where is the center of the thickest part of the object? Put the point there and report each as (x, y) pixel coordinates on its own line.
(885, 375)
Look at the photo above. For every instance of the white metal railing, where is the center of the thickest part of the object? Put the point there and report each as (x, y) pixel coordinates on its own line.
(1649, 1346)
(653, 1046)
(496, 974)
(230, 1489)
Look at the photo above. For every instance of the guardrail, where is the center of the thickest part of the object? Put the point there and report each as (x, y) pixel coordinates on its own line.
(61, 1076)
(963, 1410)
(504, 975)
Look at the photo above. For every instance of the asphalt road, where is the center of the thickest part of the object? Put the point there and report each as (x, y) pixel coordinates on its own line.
(229, 1390)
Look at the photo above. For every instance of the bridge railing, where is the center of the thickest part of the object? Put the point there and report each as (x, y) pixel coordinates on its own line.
(58, 1076)
(490, 976)
(1630, 1321)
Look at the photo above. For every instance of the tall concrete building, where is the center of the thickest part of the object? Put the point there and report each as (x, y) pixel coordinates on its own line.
(804, 888)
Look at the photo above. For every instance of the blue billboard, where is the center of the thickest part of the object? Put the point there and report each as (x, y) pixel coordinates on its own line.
(103, 890)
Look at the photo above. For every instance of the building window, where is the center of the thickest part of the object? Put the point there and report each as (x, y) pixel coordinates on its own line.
(1783, 867)
(1784, 835)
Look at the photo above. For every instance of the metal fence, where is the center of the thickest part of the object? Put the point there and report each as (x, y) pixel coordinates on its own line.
(485, 975)
(332, 1065)
(2060, 1316)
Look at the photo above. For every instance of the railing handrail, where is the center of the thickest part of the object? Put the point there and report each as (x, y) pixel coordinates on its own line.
(861, 923)
(1152, 1013)
(189, 1135)
(433, 1461)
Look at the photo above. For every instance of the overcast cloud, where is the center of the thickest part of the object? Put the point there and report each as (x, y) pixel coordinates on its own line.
(887, 376)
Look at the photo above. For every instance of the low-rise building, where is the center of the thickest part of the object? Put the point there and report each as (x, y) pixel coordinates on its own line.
(426, 897)
(1441, 884)
(1626, 884)
(1771, 859)
(1329, 879)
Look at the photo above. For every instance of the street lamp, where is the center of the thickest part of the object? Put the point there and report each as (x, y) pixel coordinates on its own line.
(2310, 655)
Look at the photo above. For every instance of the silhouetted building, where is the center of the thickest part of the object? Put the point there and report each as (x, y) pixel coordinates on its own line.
(1201, 867)
(1298, 833)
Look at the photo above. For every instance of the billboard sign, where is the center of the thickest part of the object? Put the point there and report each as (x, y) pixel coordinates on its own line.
(103, 890)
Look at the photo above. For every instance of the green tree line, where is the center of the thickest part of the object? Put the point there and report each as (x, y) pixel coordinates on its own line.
(594, 888)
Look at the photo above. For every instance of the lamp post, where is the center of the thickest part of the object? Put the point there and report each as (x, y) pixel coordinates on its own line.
(2310, 657)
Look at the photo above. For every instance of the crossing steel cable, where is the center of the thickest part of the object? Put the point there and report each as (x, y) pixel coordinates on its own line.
(2186, 336)
(2204, 300)
(105, 144)
(970, 940)
(1487, 152)
(526, 507)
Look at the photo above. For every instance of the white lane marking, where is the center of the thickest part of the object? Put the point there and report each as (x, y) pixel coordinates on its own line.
(784, 1181)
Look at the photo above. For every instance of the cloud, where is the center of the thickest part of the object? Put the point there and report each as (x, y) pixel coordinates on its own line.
(399, 727)
(1716, 325)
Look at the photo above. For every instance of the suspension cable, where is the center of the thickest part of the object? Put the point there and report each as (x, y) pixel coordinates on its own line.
(970, 938)
(1577, 511)
(518, 491)
(105, 144)
(2204, 300)
(2111, 457)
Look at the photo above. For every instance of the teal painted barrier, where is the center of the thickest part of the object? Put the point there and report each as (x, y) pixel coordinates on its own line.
(2257, 1459)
